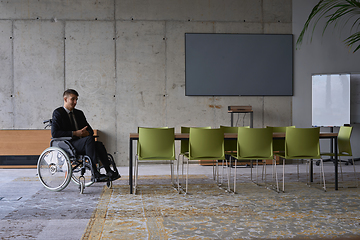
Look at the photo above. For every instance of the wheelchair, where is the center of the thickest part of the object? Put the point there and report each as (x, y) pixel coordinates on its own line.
(59, 164)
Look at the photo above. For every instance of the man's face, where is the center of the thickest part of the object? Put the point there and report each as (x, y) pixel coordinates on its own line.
(70, 101)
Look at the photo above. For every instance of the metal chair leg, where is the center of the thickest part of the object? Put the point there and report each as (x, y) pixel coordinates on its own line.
(264, 167)
(283, 174)
(178, 179)
(228, 175)
(356, 181)
(276, 178)
(136, 174)
(235, 176)
(298, 172)
(257, 166)
(323, 174)
(341, 172)
(187, 176)
(307, 172)
(172, 172)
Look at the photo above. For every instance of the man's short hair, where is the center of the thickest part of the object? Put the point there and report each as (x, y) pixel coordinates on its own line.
(70, 91)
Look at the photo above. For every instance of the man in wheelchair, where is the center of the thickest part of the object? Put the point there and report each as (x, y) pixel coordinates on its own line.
(70, 122)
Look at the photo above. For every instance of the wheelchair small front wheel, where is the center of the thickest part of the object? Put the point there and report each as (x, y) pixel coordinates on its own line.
(54, 169)
(82, 184)
(76, 171)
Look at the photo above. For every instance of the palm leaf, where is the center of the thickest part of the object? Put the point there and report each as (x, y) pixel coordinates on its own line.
(335, 12)
(355, 38)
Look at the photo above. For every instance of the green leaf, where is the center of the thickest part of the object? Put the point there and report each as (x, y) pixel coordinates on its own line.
(335, 12)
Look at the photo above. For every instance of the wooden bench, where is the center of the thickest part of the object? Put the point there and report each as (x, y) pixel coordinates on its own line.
(22, 146)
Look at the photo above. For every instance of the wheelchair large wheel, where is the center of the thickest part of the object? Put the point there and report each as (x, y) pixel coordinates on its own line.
(54, 169)
(76, 171)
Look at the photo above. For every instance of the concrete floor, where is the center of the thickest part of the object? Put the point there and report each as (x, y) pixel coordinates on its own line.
(29, 211)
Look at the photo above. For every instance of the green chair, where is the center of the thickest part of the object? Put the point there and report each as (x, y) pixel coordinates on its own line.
(344, 148)
(155, 144)
(303, 143)
(205, 144)
(278, 144)
(230, 147)
(254, 144)
(184, 145)
(184, 151)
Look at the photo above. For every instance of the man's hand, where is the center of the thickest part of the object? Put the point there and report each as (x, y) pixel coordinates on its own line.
(81, 133)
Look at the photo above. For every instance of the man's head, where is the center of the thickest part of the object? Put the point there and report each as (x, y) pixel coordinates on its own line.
(70, 99)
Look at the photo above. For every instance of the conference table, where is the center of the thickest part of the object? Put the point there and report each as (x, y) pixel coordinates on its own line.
(233, 136)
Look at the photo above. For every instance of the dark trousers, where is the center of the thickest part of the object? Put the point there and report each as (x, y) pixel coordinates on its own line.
(94, 149)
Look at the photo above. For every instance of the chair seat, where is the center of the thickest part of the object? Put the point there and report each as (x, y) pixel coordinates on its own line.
(156, 158)
(204, 158)
(253, 158)
(299, 157)
(185, 154)
(339, 154)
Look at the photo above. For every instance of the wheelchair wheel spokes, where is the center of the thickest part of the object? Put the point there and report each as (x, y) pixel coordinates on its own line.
(54, 169)
(76, 171)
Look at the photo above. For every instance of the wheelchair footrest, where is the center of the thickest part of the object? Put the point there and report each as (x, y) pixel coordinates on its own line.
(100, 180)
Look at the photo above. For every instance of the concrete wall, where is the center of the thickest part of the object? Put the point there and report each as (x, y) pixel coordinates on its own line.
(324, 54)
(126, 59)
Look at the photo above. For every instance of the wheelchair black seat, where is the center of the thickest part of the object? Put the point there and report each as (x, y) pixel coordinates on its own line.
(65, 145)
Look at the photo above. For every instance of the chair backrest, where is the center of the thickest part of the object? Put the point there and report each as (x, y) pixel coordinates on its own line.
(302, 143)
(206, 144)
(255, 143)
(344, 144)
(230, 145)
(280, 129)
(184, 145)
(156, 144)
(279, 144)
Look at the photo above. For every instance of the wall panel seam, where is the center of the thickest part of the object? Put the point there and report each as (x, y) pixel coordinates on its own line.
(12, 76)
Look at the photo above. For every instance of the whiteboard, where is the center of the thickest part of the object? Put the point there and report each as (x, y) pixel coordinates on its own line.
(330, 100)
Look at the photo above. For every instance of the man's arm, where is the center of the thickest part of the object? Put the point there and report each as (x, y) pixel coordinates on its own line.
(81, 132)
(59, 126)
(85, 128)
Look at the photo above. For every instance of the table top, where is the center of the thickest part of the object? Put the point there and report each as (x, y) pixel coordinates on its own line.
(180, 136)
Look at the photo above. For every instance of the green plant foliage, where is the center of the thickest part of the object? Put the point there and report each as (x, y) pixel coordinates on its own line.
(336, 12)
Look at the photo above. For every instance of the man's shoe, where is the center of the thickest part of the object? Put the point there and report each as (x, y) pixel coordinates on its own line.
(100, 177)
(113, 175)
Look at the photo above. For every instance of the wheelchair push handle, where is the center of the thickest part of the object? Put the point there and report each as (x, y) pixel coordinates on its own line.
(48, 123)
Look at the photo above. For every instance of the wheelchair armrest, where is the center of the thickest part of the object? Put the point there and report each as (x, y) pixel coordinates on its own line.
(62, 138)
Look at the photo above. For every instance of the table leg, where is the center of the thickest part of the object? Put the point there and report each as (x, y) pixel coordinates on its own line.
(336, 164)
(251, 120)
(311, 171)
(130, 165)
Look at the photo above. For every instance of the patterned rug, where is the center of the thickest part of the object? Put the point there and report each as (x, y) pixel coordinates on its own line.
(208, 212)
